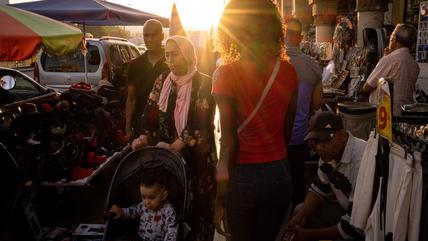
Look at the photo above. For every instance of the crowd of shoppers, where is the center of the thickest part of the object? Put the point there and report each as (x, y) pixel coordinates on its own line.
(267, 92)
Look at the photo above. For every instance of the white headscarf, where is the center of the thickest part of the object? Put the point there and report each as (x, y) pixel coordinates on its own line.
(183, 82)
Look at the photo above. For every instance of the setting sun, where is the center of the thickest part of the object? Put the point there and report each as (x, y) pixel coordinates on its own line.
(200, 14)
(194, 14)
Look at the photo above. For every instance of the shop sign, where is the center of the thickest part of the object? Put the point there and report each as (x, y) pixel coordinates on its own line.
(383, 113)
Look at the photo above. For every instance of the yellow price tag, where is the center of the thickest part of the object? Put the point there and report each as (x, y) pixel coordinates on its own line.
(383, 114)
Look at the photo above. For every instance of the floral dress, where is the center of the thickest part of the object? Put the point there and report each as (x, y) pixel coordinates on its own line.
(199, 151)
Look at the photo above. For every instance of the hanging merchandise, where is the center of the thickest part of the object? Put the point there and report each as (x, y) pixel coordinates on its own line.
(421, 96)
(422, 40)
(349, 63)
(364, 196)
(390, 198)
(411, 131)
(396, 214)
(359, 118)
(63, 141)
(388, 195)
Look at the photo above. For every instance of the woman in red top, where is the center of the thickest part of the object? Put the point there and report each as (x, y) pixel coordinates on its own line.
(252, 174)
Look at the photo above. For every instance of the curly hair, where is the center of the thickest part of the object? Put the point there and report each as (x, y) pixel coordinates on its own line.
(253, 28)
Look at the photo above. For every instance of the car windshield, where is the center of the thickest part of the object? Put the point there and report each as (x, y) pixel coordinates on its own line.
(24, 88)
(73, 62)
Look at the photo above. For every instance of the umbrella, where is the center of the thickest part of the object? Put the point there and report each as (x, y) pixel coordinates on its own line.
(22, 33)
(90, 12)
(175, 27)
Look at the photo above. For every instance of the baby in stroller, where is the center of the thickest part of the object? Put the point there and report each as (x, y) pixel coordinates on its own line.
(157, 215)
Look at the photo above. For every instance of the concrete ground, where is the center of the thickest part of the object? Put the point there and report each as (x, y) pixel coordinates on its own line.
(218, 237)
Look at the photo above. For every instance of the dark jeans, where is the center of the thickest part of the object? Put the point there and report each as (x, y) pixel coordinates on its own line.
(298, 155)
(258, 199)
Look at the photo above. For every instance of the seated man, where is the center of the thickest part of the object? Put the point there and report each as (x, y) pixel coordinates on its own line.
(328, 204)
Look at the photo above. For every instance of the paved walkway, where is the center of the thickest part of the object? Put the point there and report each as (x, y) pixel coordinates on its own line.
(218, 237)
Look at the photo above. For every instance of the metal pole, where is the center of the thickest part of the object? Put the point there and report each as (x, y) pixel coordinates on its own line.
(85, 58)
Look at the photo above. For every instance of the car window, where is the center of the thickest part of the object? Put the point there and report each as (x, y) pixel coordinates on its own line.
(94, 58)
(124, 52)
(72, 62)
(116, 56)
(134, 53)
(23, 89)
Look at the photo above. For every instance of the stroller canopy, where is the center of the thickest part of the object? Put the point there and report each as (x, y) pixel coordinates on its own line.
(125, 183)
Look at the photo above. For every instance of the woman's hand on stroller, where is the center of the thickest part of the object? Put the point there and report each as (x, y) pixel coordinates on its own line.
(164, 145)
(117, 211)
(177, 145)
(140, 142)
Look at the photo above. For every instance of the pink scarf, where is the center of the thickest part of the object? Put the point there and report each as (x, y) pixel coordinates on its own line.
(184, 84)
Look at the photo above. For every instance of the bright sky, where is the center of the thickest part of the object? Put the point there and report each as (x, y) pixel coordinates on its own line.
(194, 14)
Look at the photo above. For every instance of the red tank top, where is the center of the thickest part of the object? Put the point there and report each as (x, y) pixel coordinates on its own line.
(262, 140)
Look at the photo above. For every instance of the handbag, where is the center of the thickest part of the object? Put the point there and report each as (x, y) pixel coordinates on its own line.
(262, 97)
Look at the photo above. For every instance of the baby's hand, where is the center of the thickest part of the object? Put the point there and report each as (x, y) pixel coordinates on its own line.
(116, 210)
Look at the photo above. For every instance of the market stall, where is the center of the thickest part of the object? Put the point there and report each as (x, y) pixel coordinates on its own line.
(65, 149)
(67, 139)
(346, 66)
(111, 161)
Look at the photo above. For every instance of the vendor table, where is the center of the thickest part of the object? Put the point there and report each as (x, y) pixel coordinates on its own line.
(114, 159)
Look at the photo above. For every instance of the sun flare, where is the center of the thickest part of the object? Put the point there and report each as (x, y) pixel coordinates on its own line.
(200, 15)
(194, 14)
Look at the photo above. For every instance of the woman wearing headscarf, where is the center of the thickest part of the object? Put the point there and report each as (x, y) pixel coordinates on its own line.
(255, 90)
(179, 116)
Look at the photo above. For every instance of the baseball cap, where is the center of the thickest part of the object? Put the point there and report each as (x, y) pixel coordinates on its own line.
(323, 124)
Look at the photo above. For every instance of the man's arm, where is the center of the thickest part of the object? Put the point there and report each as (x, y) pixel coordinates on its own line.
(367, 88)
(317, 97)
(342, 230)
(130, 110)
(371, 82)
(329, 233)
(312, 203)
(381, 70)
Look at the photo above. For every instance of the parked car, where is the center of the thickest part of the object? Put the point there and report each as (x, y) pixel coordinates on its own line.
(107, 58)
(19, 87)
(142, 48)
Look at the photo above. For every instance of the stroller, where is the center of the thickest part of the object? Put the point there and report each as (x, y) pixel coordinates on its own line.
(124, 190)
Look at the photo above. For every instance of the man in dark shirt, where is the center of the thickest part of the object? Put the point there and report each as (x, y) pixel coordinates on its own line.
(142, 73)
